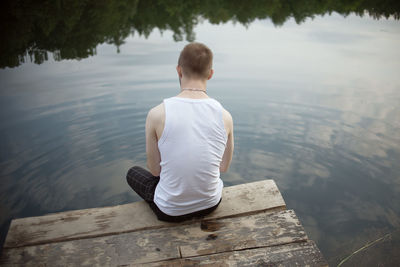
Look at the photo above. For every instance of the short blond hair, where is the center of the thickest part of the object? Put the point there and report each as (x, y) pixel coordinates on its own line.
(196, 60)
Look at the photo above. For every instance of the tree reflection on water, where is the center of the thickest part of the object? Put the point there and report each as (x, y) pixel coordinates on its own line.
(73, 29)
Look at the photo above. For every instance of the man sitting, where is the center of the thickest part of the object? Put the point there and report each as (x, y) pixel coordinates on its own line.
(189, 141)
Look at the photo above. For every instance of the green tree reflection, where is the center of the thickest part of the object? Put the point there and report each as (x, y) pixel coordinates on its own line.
(72, 29)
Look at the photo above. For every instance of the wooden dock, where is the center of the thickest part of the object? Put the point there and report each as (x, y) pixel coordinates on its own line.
(251, 227)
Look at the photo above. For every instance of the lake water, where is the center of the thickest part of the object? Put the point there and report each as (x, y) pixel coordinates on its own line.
(315, 107)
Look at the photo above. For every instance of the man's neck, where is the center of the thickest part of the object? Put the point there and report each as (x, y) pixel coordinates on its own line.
(193, 88)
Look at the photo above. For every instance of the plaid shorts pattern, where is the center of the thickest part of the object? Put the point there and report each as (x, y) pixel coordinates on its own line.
(142, 182)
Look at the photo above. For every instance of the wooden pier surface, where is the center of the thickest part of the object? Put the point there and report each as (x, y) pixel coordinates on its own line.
(250, 227)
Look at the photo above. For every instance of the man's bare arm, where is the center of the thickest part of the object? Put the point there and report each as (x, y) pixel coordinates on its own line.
(227, 157)
(152, 152)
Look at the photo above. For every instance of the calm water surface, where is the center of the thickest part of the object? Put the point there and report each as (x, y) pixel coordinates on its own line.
(315, 106)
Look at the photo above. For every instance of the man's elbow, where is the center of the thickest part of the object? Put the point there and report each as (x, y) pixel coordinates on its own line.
(156, 173)
(223, 168)
(154, 170)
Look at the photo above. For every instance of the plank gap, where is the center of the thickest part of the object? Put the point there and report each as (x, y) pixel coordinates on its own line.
(309, 256)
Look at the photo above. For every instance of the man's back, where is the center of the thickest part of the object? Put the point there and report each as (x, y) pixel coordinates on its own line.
(191, 148)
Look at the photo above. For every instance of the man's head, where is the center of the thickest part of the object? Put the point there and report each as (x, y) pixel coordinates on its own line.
(195, 61)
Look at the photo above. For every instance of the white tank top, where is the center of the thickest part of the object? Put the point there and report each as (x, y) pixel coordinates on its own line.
(191, 146)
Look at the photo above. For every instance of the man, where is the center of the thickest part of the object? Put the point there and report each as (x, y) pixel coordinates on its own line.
(189, 141)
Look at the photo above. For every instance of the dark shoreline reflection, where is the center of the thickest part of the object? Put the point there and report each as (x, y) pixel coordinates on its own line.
(32, 30)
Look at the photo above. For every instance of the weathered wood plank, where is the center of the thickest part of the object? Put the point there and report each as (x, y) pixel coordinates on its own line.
(251, 231)
(237, 201)
(196, 239)
(294, 254)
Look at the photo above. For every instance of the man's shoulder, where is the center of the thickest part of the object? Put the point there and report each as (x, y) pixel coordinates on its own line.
(156, 113)
(228, 121)
(157, 109)
(226, 115)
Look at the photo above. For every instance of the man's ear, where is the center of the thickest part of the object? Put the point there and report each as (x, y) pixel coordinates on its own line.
(211, 74)
(179, 71)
